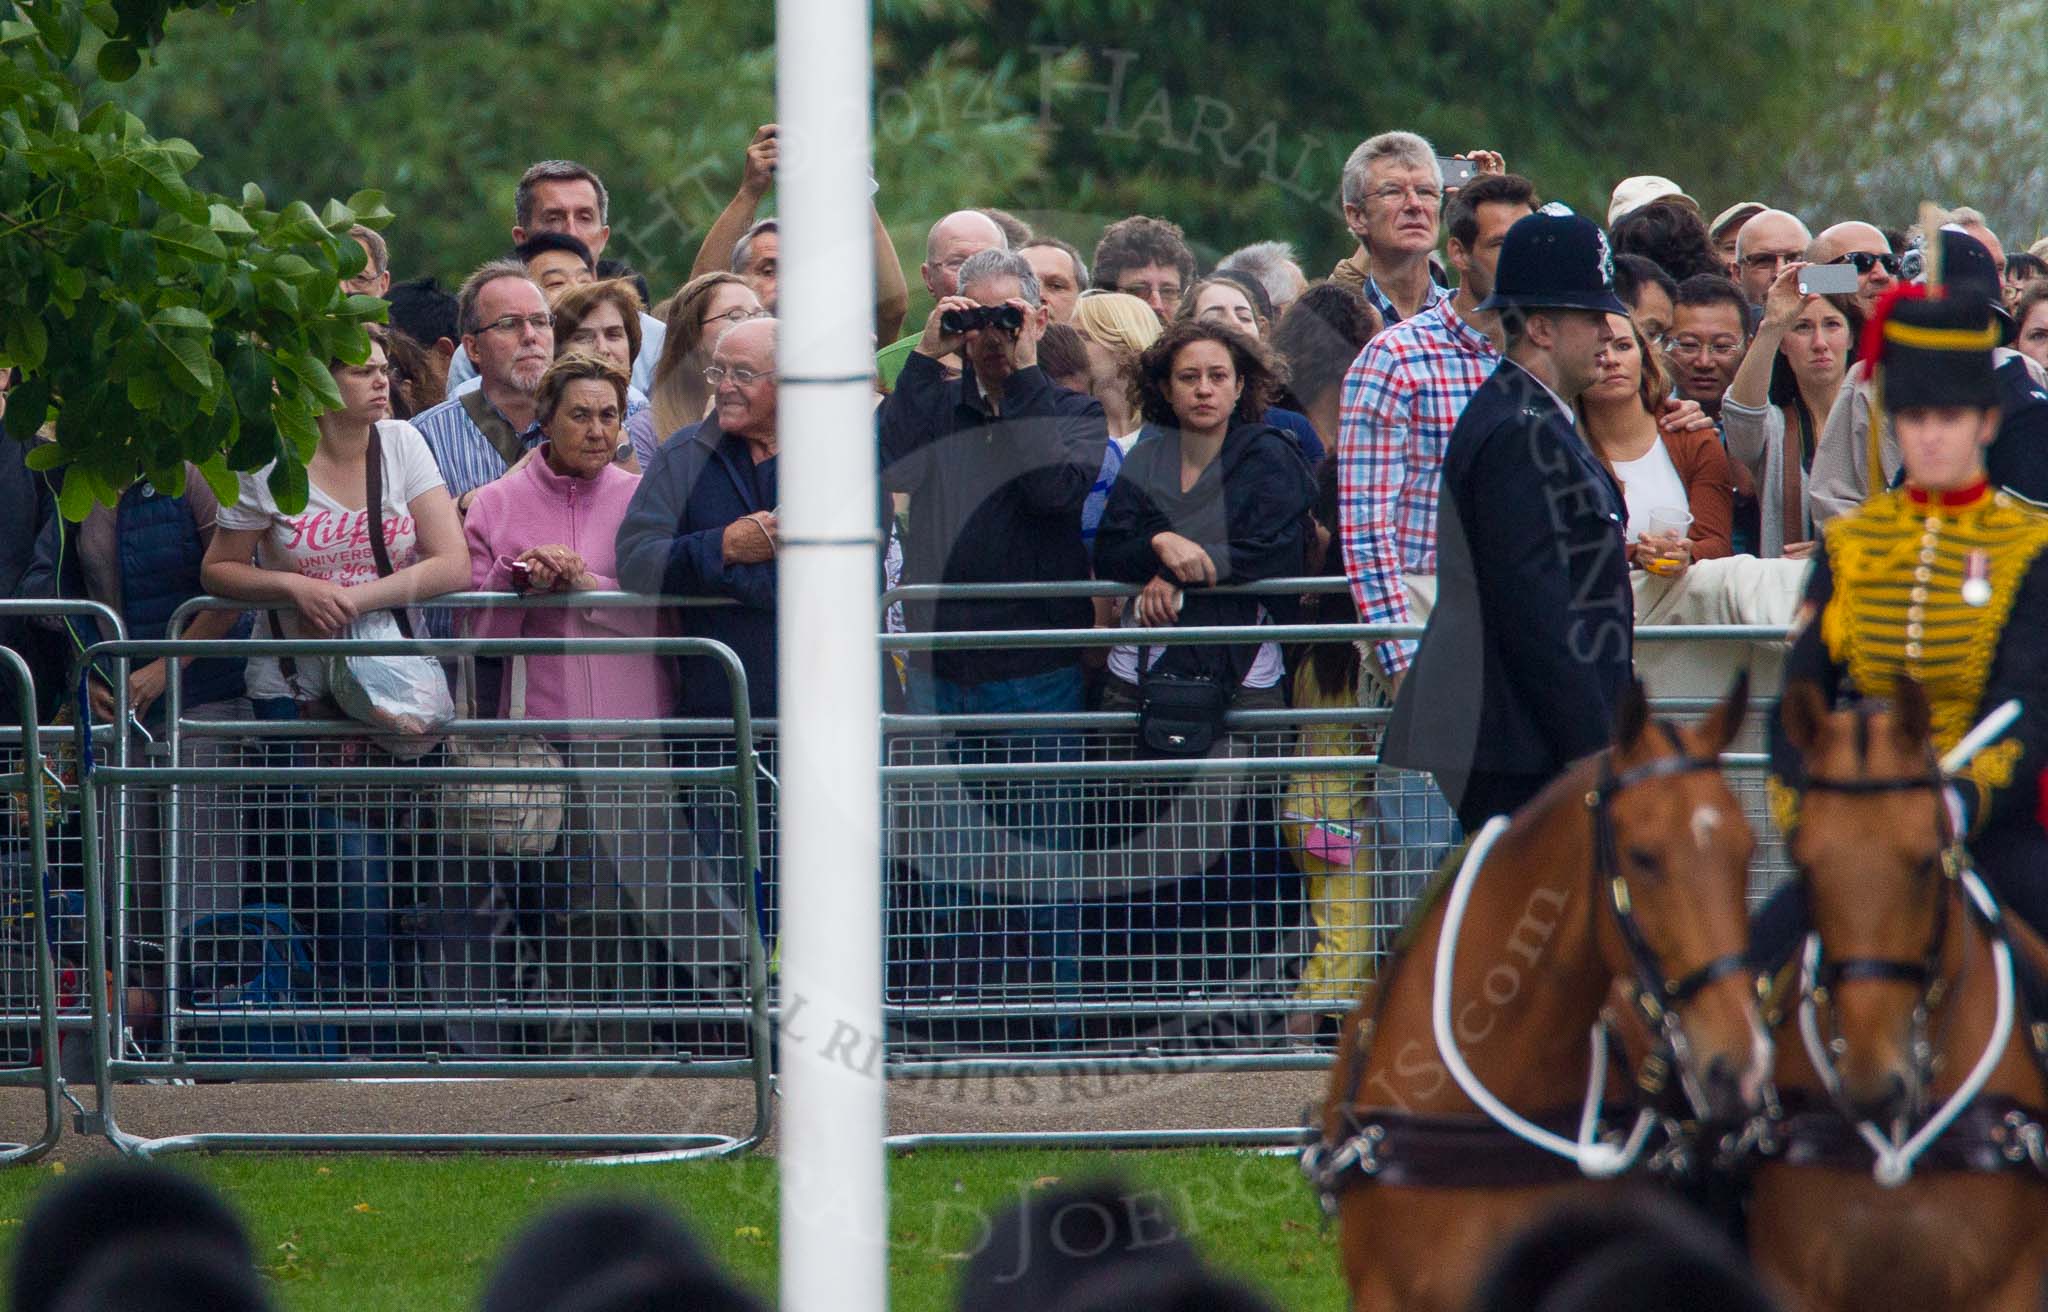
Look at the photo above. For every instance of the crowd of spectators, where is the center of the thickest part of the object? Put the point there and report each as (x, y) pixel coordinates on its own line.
(1108, 411)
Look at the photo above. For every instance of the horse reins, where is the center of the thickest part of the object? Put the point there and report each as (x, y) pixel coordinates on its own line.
(1822, 975)
(1657, 996)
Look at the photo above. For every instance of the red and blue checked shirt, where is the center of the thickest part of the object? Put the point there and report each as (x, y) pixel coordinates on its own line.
(1402, 397)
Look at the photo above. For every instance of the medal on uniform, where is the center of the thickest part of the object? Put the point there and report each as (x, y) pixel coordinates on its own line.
(1977, 579)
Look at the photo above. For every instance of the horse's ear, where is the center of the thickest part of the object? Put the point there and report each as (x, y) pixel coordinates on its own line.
(1725, 720)
(1912, 721)
(1632, 716)
(1802, 711)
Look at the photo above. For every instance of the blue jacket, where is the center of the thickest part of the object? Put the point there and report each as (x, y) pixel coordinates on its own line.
(672, 542)
(159, 553)
(1530, 644)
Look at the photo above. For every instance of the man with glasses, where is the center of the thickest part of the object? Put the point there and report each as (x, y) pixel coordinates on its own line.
(1865, 247)
(1393, 194)
(950, 243)
(1766, 244)
(1147, 258)
(1709, 332)
(506, 328)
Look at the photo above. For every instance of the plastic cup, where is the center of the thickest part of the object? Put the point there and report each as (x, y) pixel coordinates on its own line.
(1666, 521)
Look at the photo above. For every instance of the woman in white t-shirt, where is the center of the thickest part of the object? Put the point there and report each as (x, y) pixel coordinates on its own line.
(320, 560)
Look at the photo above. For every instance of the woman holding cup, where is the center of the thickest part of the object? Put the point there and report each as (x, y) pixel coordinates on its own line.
(1679, 487)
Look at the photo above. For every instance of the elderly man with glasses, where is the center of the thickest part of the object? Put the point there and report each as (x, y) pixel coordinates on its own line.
(1393, 190)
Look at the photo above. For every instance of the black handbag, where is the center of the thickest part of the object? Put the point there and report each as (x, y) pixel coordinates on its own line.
(1180, 714)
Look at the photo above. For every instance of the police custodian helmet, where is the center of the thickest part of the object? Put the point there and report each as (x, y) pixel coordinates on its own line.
(1553, 259)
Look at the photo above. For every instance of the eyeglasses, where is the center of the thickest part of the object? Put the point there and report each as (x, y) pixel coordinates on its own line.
(717, 374)
(1865, 261)
(1392, 194)
(512, 323)
(737, 314)
(1769, 259)
(1687, 348)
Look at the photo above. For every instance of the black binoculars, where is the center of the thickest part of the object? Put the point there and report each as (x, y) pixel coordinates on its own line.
(982, 316)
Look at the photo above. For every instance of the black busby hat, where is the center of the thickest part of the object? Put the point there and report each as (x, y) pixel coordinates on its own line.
(1969, 272)
(1553, 259)
(1933, 351)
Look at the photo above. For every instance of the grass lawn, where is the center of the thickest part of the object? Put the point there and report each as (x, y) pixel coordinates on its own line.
(349, 1233)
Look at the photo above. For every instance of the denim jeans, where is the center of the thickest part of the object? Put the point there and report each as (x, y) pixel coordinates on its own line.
(988, 846)
(1416, 830)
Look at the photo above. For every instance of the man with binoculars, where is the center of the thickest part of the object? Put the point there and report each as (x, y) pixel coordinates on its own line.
(996, 463)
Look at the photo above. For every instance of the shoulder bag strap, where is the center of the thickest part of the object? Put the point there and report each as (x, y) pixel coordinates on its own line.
(495, 430)
(373, 473)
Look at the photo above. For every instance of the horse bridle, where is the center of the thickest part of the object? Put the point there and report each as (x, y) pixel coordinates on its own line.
(1656, 996)
(1923, 975)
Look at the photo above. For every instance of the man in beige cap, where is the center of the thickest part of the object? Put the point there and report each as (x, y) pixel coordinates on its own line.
(1728, 224)
(1634, 193)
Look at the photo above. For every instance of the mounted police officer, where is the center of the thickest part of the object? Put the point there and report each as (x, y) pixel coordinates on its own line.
(1528, 648)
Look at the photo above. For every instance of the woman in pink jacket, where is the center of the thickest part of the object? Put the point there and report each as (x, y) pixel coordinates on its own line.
(550, 525)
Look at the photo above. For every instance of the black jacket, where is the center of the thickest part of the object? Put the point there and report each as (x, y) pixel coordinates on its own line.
(2017, 459)
(1530, 644)
(672, 541)
(1246, 511)
(25, 505)
(992, 500)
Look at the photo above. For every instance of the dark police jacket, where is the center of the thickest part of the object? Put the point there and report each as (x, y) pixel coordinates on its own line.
(1530, 643)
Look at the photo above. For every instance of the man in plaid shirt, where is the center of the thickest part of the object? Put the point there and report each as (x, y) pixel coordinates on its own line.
(1401, 399)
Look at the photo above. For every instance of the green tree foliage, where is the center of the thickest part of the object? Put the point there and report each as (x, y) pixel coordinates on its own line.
(442, 106)
(153, 322)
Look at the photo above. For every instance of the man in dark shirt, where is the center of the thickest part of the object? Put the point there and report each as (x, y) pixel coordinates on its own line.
(1530, 643)
(997, 464)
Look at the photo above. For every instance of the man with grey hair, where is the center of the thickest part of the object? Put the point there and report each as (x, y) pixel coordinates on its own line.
(1273, 264)
(560, 195)
(756, 257)
(949, 244)
(1766, 244)
(507, 329)
(997, 464)
(1393, 191)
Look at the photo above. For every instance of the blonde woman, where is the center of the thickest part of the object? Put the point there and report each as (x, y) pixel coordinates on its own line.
(705, 307)
(1117, 327)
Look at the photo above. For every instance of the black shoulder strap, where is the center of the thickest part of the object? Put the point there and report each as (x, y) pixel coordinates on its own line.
(495, 429)
(373, 473)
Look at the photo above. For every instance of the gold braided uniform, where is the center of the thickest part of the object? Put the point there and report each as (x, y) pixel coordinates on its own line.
(1949, 589)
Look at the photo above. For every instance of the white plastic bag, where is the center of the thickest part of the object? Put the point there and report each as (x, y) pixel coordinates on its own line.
(404, 699)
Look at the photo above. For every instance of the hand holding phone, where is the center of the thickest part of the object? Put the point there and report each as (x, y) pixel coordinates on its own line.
(1457, 172)
(1828, 280)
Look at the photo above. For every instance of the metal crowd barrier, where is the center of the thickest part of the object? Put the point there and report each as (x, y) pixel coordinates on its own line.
(322, 910)
(42, 926)
(1184, 909)
(1054, 904)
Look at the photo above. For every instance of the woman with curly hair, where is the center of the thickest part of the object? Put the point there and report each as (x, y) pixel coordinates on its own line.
(1211, 495)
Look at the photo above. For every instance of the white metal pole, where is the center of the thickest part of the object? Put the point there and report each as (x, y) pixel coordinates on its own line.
(834, 1198)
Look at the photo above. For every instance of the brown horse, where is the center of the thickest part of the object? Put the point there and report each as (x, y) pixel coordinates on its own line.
(1628, 872)
(1902, 1009)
